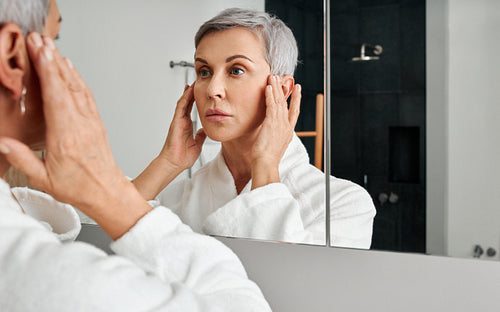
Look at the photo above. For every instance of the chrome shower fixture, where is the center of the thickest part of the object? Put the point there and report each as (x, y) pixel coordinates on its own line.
(376, 49)
(181, 63)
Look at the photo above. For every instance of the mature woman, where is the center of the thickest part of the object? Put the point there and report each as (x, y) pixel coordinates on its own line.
(43, 100)
(261, 184)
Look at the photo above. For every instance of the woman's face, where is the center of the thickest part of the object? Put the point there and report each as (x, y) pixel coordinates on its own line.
(231, 76)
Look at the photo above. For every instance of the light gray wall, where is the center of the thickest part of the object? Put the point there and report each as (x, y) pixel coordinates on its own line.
(473, 126)
(437, 125)
(463, 110)
(123, 48)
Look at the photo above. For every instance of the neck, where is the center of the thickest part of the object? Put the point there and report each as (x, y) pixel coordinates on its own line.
(237, 155)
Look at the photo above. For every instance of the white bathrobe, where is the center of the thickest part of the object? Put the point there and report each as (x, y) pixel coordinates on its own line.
(290, 211)
(161, 264)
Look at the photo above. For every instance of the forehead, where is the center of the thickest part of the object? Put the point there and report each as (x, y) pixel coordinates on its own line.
(231, 41)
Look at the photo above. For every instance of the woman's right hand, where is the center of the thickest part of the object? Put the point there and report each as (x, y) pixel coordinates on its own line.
(181, 150)
(79, 167)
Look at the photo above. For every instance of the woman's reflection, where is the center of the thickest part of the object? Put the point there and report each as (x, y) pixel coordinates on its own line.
(261, 184)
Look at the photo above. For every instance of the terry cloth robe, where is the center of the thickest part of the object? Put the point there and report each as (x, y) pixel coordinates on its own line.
(290, 211)
(161, 265)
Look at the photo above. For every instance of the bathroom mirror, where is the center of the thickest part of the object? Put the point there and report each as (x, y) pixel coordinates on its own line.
(450, 72)
(136, 58)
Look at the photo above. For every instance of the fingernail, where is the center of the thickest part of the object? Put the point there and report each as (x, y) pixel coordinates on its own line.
(299, 87)
(49, 43)
(48, 54)
(68, 61)
(4, 149)
(36, 40)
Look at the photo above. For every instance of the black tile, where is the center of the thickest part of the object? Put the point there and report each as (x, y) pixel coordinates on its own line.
(412, 3)
(345, 38)
(378, 113)
(345, 144)
(380, 26)
(344, 6)
(411, 110)
(412, 25)
(376, 3)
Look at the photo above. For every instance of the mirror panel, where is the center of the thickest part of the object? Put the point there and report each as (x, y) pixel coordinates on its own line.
(124, 51)
(403, 125)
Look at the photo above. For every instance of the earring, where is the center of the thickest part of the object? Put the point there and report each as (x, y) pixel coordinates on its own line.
(21, 102)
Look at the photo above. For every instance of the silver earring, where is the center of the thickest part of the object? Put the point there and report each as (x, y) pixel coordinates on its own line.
(21, 102)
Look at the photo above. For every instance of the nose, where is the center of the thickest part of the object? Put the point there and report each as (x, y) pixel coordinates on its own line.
(216, 87)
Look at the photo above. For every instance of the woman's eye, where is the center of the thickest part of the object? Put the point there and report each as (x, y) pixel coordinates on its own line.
(203, 72)
(237, 71)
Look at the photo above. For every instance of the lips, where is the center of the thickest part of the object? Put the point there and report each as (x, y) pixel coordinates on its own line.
(216, 115)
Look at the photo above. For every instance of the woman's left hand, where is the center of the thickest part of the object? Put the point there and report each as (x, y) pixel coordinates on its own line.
(276, 132)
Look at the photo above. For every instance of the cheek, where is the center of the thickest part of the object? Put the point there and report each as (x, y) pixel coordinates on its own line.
(198, 93)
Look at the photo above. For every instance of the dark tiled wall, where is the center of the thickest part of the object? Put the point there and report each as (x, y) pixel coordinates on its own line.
(383, 93)
(305, 19)
(371, 99)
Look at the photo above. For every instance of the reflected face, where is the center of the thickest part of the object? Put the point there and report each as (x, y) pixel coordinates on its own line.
(231, 76)
(34, 134)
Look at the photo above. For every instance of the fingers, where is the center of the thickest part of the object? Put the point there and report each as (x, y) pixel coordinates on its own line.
(294, 110)
(279, 97)
(62, 88)
(22, 157)
(200, 137)
(185, 103)
(48, 72)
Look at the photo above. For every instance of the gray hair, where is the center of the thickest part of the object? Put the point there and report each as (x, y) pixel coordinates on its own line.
(279, 42)
(29, 15)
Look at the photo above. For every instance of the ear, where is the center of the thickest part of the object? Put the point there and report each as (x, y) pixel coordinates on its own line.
(287, 83)
(13, 59)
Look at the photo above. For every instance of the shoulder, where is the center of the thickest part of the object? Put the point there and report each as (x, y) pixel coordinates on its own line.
(347, 194)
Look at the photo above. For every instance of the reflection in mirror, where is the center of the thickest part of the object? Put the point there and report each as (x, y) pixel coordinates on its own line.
(127, 65)
(352, 209)
(409, 135)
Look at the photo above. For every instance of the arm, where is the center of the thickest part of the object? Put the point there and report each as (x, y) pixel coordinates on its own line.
(162, 265)
(79, 169)
(180, 151)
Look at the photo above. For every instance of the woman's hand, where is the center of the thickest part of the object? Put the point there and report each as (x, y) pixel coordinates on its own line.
(79, 167)
(181, 150)
(276, 133)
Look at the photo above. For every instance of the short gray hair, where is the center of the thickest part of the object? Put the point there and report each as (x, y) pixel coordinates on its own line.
(29, 15)
(279, 42)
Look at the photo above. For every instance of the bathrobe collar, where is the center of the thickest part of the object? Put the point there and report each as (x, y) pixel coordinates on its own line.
(57, 217)
(295, 154)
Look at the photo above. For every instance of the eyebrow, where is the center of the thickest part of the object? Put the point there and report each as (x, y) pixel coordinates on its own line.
(229, 59)
(60, 19)
(200, 60)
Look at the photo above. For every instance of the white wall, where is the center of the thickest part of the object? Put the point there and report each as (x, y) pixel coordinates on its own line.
(463, 122)
(473, 125)
(123, 51)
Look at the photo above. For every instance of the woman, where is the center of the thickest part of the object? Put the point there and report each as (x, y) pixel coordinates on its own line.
(44, 100)
(261, 184)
